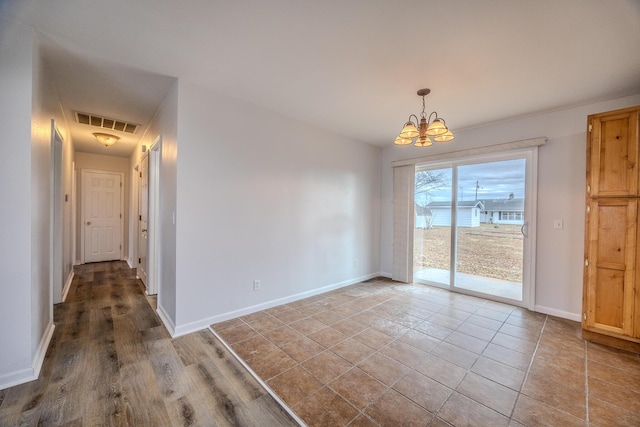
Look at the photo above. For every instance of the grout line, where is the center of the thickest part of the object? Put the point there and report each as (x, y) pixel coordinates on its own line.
(526, 375)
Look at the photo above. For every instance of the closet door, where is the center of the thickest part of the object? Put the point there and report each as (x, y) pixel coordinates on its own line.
(609, 297)
(614, 155)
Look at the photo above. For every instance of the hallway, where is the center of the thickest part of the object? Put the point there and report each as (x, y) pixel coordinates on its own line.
(111, 362)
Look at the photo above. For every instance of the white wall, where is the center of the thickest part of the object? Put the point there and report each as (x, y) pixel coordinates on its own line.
(104, 163)
(28, 104)
(561, 186)
(16, 47)
(262, 196)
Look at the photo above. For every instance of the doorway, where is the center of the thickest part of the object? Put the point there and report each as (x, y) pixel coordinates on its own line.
(56, 238)
(101, 216)
(473, 226)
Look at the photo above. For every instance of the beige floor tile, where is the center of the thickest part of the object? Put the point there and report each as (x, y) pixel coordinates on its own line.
(404, 353)
(489, 393)
(499, 372)
(358, 388)
(392, 409)
(454, 354)
(302, 349)
(294, 385)
(422, 390)
(441, 370)
(475, 345)
(325, 408)
(514, 343)
(327, 366)
(373, 338)
(605, 414)
(352, 350)
(555, 395)
(327, 337)
(383, 368)
(477, 331)
(282, 336)
(508, 357)
(420, 340)
(533, 413)
(459, 410)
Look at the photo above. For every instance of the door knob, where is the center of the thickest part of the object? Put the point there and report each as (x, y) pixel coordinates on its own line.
(88, 222)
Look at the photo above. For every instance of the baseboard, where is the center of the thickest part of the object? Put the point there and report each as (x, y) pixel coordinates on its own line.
(29, 374)
(168, 323)
(558, 313)
(199, 325)
(67, 286)
(385, 274)
(129, 263)
(42, 349)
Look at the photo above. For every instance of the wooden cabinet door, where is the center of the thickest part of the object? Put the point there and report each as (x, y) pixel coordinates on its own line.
(611, 256)
(613, 162)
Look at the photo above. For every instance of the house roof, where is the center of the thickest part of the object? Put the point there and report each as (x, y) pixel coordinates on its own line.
(503, 204)
(461, 204)
(339, 65)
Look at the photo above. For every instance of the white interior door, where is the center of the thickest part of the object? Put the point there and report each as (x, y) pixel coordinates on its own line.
(102, 216)
(143, 219)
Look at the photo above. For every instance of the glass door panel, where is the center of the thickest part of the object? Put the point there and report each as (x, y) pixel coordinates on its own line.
(490, 217)
(432, 233)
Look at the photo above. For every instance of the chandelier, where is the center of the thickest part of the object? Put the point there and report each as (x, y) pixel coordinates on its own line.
(424, 128)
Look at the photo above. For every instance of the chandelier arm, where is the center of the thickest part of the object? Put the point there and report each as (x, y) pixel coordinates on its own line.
(432, 113)
(416, 123)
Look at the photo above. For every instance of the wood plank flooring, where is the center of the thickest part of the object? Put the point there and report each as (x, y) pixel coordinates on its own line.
(112, 363)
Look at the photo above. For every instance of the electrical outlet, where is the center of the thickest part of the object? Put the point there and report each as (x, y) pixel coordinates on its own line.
(256, 285)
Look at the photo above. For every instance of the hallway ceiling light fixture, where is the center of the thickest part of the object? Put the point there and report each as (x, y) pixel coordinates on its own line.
(106, 139)
(424, 128)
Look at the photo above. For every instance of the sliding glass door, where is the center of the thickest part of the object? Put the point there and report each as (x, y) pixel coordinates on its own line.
(479, 244)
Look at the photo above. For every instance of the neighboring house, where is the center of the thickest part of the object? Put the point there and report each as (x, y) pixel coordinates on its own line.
(438, 214)
(503, 211)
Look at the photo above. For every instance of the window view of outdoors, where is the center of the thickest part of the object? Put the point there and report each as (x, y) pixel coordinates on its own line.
(489, 217)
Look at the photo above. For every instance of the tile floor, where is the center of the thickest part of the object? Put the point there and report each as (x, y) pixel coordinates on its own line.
(382, 353)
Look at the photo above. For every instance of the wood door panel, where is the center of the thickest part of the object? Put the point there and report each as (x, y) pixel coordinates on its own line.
(614, 155)
(609, 298)
(611, 259)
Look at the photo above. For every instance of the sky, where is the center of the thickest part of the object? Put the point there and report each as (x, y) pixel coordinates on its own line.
(495, 180)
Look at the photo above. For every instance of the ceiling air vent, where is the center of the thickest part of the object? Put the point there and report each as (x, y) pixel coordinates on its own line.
(105, 123)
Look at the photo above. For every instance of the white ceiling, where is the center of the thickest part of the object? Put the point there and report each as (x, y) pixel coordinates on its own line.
(350, 66)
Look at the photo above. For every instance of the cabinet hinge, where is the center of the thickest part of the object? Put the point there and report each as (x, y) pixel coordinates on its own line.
(139, 217)
(586, 263)
(590, 128)
(140, 261)
(584, 316)
(120, 216)
(140, 174)
(120, 184)
(588, 189)
(588, 209)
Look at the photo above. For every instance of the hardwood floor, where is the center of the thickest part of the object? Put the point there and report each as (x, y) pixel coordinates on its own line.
(112, 363)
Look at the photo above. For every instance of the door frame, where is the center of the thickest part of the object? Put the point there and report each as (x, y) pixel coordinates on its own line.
(153, 245)
(83, 179)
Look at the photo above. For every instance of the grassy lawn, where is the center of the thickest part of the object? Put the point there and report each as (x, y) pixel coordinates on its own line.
(484, 251)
